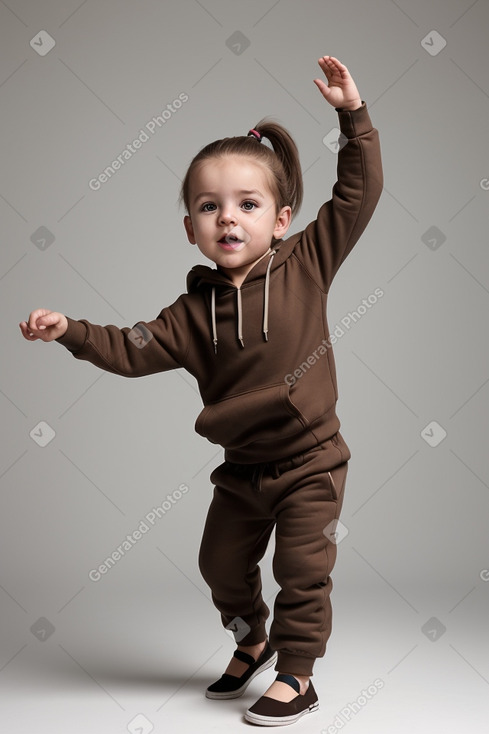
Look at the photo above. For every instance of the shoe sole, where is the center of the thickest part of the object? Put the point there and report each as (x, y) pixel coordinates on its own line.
(279, 720)
(239, 691)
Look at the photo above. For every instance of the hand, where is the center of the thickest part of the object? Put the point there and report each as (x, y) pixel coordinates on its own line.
(341, 90)
(43, 324)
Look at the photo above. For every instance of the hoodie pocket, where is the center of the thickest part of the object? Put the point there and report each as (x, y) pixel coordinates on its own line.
(256, 416)
(314, 396)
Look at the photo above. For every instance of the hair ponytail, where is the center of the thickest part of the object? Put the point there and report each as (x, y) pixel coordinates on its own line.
(285, 149)
(281, 161)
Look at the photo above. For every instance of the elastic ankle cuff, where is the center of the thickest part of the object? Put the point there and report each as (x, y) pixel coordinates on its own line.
(294, 664)
(254, 636)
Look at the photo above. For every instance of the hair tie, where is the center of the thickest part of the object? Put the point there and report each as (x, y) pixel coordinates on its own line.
(255, 134)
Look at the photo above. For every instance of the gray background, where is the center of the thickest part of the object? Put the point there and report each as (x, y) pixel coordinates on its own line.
(411, 593)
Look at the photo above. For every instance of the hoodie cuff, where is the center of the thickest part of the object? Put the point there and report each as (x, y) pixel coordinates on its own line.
(74, 336)
(354, 122)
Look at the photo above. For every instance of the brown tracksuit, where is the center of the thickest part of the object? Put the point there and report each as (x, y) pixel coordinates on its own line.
(265, 369)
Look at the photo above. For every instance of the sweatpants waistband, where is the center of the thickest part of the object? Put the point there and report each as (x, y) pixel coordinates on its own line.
(255, 471)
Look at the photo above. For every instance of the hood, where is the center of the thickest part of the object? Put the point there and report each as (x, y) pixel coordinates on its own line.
(204, 277)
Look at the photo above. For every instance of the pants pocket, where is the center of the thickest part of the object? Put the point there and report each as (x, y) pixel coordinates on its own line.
(332, 485)
(337, 480)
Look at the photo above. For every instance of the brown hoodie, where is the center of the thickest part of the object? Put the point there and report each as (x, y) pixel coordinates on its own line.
(244, 344)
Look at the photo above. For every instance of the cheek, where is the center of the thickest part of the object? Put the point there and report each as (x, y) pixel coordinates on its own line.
(204, 228)
(205, 225)
(270, 221)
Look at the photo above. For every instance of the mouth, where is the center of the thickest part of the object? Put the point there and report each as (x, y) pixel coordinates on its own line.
(230, 242)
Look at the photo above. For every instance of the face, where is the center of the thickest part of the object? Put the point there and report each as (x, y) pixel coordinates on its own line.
(233, 214)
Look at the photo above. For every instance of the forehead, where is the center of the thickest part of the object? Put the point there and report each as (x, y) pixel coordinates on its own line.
(228, 173)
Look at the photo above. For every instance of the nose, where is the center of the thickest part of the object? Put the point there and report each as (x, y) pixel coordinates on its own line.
(228, 216)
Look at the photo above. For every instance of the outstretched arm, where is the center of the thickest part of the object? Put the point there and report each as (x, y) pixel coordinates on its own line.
(149, 347)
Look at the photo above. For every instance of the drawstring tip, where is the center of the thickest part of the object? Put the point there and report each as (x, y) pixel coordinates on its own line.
(215, 346)
(265, 334)
(241, 341)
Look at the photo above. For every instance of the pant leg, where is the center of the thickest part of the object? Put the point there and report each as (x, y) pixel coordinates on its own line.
(235, 539)
(311, 497)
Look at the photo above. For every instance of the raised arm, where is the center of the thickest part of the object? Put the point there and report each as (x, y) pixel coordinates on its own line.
(326, 242)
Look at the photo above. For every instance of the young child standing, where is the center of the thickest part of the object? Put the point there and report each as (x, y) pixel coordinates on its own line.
(253, 331)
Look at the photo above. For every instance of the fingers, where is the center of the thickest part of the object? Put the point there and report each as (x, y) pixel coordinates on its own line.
(38, 323)
(331, 65)
(323, 88)
(48, 318)
(331, 61)
(26, 332)
(326, 65)
(41, 318)
(34, 316)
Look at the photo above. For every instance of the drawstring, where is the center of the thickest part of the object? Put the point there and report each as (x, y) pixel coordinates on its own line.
(267, 288)
(240, 317)
(257, 476)
(240, 309)
(214, 328)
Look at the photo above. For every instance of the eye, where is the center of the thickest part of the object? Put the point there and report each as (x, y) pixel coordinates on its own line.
(248, 206)
(204, 207)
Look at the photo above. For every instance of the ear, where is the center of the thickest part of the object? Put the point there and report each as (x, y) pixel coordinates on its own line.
(187, 223)
(282, 222)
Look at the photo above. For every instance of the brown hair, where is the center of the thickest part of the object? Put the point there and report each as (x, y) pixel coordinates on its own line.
(281, 162)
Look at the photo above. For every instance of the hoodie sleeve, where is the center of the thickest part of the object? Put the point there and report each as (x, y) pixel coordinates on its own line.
(146, 348)
(326, 242)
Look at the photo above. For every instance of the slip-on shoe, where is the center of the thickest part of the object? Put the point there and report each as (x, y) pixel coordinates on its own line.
(233, 686)
(270, 712)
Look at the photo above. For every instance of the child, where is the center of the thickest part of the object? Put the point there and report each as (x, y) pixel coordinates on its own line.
(253, 332)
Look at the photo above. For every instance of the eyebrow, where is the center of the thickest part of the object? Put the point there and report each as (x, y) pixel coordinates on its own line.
(245, 192)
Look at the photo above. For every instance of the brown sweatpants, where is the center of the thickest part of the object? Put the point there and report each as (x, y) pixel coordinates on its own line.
(301, 496)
